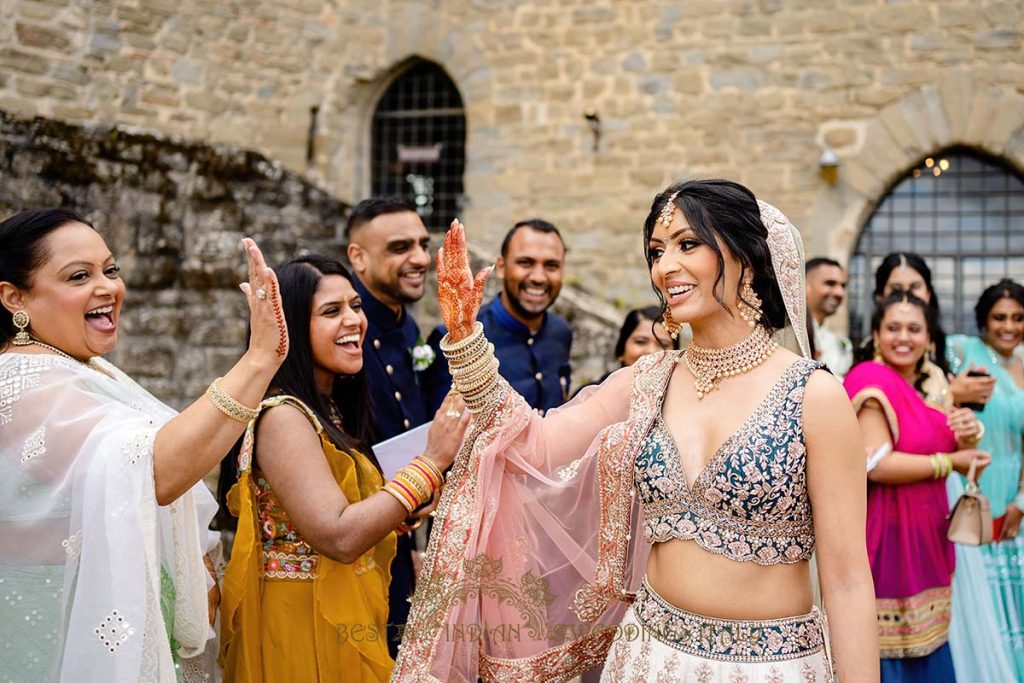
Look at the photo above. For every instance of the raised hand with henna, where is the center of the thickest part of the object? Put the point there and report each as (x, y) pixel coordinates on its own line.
(459, 292)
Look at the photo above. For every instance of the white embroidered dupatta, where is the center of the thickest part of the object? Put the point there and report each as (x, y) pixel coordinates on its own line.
(536, 549)
(82, 538)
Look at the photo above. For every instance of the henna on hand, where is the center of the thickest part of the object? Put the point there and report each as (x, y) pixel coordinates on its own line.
(460, 294)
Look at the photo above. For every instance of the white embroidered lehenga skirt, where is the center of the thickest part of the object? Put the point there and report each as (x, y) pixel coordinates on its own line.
(659, 643)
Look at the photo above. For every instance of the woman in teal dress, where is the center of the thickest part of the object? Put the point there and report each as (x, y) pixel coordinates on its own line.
(998, 351)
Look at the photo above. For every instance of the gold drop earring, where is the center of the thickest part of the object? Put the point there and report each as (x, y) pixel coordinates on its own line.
(749, 304)
(671, 326)
(20, 319)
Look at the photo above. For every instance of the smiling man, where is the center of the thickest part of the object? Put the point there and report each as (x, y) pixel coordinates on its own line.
(531, 343)
(389, 250)
(826, 290)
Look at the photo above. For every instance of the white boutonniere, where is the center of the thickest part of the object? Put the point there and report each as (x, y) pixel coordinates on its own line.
(422, 355)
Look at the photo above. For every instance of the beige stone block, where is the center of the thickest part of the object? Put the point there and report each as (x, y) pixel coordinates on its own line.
(37, 10)
(1003, 13)
(877, 96)
(902, 128)
(688, 83)
(161, 95)
(862, 179)
(883, 152)
(33, 35)
(72, 112)
(1007, 119)
(983, 107)
(42, 89)
(23, 62)
(956, 92)
(833, 21)
(1015, 150)
(17, 106)
(841, 137)
(901, 18)
(958, 15)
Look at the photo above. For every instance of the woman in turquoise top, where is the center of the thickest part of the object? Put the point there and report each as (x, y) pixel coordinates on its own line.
(998, 351)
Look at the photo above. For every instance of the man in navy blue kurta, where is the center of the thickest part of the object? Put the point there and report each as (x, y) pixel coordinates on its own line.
(389, 252)
(532, 344)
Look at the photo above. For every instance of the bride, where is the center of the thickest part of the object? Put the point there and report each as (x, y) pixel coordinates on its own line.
(661, 524)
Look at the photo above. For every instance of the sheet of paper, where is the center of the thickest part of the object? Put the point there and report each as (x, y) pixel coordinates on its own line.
(395, 453)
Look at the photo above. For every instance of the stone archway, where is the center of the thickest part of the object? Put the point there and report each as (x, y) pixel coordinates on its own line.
(876, 152)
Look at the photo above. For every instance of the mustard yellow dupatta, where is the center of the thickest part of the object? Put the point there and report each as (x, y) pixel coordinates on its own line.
(350, 601)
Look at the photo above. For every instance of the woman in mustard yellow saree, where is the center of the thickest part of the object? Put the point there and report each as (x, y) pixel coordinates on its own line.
(306, 590)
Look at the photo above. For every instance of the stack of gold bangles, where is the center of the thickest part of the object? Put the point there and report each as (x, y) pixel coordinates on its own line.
(415, 484)
(226, 404)
(942, 465)
(473, 367)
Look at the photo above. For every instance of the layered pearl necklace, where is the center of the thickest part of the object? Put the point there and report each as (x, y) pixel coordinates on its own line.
(709, 366)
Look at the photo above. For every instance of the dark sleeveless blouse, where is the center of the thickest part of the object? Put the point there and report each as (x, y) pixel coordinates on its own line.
(750, 502)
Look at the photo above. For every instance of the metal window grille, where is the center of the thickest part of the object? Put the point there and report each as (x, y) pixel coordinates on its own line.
(964, 213)
(418, 144)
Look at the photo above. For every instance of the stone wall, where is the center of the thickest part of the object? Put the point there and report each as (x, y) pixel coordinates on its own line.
(746, 89)
(173, 213)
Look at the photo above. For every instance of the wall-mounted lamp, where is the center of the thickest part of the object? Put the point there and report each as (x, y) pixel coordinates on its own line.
(594, 124)
(828, 165)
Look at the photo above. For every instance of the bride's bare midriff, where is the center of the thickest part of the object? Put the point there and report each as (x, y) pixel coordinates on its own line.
(712, 585)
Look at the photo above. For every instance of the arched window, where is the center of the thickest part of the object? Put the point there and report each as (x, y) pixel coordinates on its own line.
(418, 143)
(964, 213)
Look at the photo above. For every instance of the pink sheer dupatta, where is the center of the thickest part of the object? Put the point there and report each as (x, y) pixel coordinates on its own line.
(535, 550)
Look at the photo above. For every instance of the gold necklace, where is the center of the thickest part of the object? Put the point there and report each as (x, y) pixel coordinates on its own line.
(710, 366)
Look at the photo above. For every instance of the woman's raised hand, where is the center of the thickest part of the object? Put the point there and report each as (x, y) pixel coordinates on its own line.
(459, 292)
(268, 336)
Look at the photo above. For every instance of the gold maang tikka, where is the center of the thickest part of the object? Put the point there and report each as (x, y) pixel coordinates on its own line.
(668, 209)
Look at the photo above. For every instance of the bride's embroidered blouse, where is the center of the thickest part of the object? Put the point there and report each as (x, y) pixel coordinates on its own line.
(750, 502)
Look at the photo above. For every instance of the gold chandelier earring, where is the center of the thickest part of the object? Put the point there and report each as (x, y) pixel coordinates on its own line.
(749, 304)
(20, 319)
(671, 326)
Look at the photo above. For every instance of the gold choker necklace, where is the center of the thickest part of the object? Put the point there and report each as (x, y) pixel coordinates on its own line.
(711, 366)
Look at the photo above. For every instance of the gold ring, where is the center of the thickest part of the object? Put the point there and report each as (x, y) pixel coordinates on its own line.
(452, 413)
(261, 294)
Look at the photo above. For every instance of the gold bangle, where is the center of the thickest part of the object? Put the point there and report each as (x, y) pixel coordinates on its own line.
(452, 347)
(399, 495)
(425, 462)
(226, 403)
(949, 463)
(428, 471)
(936, 466)
(417, 482)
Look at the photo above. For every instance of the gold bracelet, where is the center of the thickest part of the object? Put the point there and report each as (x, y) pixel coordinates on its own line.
(934, 460)
(416, 482)
(428, 470)
(226, 403)
(453, 347)
(404, 499)
(426, 462)
(467, 353)
(949, 464)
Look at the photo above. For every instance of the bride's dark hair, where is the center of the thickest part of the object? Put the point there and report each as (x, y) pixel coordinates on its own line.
(727, 211)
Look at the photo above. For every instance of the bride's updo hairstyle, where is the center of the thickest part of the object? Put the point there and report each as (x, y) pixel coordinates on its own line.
(727, 211)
